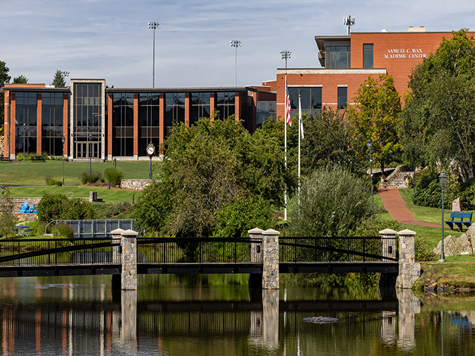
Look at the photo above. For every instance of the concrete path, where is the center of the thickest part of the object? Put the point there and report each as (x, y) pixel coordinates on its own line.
(395, 205)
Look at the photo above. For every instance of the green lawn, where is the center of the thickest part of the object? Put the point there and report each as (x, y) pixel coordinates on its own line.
(109, 196)
(34, 173)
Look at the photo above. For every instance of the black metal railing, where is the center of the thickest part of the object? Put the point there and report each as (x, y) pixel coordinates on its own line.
(337, 249)
(197, 250)
(56, 251)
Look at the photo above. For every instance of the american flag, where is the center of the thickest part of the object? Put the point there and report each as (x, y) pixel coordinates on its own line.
(288, 118)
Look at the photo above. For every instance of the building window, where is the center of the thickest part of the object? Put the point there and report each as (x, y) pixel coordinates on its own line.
(200, 106)
(123, 124)
(368, 55)
(310, 98)
(174, 110)
(226, 104)
(25, 122)
(342, 97)
(338, 57)
(149, 121)
(265, 110)
(52, 122)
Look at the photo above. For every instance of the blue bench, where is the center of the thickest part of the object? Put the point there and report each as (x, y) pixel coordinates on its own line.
(464, 219)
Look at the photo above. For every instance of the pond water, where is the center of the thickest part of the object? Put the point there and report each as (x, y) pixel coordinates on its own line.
(218, 315)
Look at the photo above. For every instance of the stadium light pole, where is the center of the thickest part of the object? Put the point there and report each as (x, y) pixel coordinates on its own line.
(236, 44)
(285, 55)
(154, 26)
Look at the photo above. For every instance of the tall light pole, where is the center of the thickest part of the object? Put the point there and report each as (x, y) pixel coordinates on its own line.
(370, 146)
(285, 55)
(63, 139)
(236, 44)
(24, 133)
(90, 152)
(443, 181)
(154, 26)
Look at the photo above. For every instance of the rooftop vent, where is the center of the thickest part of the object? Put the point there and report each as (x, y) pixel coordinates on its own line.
(384, 30)
(416, 29)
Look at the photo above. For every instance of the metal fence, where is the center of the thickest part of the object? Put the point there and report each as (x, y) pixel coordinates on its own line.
(98, 228)
(337, 249)
(56, 251)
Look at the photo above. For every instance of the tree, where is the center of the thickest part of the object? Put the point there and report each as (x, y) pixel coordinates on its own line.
(21, 79)
(4, 79)
(59, 79)
(439, 113)
(376, 115)
(7, 219)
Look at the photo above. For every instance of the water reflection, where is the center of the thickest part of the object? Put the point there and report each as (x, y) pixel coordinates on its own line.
(72, 315)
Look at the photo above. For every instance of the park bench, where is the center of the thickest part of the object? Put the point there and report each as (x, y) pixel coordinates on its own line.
(464, 219)
(37, 158)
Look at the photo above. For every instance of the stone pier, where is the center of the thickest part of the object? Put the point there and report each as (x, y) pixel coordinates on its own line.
(388, 249)
(270, 268)
(409, 305)
(255, 256)
(116, 256)
(409, 271)
(129, 260)
(270, 322)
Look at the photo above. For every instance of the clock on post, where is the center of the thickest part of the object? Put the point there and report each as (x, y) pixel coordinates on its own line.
(150, 152)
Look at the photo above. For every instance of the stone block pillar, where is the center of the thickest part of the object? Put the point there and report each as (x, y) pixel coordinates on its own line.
(255, 256)
(409, 271)
(270, 268)
(128, 330)
(388, 328)
(129, 260)
(116, 258)
(270, 316)
(409, 305)
(388, 249)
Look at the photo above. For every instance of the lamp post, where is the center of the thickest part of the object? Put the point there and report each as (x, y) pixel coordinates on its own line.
(63, 139)
(370, 146)
(236, 44)
(154, 26)
(285, 55)
(24, 129)
(443, 181)
(90, 152)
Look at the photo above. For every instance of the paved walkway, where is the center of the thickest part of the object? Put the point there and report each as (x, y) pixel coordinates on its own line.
(395, 205)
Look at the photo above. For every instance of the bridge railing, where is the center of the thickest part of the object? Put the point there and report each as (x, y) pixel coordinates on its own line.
(337, 249)
(56, 251)
(197, 250)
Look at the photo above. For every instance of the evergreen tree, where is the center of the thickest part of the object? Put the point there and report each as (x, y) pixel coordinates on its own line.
(21, 79)
(4, 79)
(59, 80)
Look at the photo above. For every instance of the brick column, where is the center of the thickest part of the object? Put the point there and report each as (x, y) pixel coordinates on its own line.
(409, 271)
(136, 126)
(270, 268)
(65, 124)
(212, 104)
(110, 111)
(187, 109)
(6, 127)
(237, 106)
(255, 256)
(129, 260)
(254, 112)
(12, 127)
(39, 125)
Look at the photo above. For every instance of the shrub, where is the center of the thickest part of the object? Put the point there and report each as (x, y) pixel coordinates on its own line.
(58, 206)
(113, 174)
(78, 209)
(333, 202)
(429, 193)
(423, 249)
(92, 177)
(53, 181)
(45, 155)
(63, 230)
(19, 157)
(41, 228)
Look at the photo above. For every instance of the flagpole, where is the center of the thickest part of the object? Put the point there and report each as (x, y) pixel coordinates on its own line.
(285, 145)
(300, 124)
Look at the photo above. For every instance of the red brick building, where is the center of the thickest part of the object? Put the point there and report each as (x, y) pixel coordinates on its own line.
(348, 60)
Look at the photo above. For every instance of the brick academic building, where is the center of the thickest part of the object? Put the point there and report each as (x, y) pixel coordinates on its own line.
(105, 123)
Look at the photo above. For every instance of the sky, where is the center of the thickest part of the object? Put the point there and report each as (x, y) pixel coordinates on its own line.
(111, 40)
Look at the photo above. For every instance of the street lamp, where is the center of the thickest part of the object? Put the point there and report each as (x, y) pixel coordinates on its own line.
(285, 55)
(443, 182)
(236, 44)
(63, 139)
(90, 152)
(154, 26)
(24, 129)
(370, 146)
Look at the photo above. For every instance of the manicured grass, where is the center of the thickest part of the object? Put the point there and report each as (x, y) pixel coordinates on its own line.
(34, 173)
(109, 196)
(460, 275)
(461, 258)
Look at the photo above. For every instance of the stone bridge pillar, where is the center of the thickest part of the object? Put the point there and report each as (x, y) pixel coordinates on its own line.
(388, 249)
(116, 259)
(409, 305)
(409, 271)
(129, 260)
(255, 256)
(270, 316)
(270, 268)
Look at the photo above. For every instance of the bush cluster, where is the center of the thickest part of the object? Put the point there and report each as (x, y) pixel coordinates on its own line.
(59, 207)
(51, 181)
(429, 192)
(90, 177)
(114, 175)
(63, 230)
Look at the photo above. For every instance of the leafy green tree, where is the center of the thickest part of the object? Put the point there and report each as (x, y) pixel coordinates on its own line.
(7, 219)
(59, 206)
(376, 115)
(333, 202)
(4, 79)
(21, 79)
(59, 79)
(439, 114)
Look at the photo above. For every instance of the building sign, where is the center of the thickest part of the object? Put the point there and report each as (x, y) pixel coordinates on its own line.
(405, 53)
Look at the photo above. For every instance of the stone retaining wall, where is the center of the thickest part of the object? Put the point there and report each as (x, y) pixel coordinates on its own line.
(136, 184)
